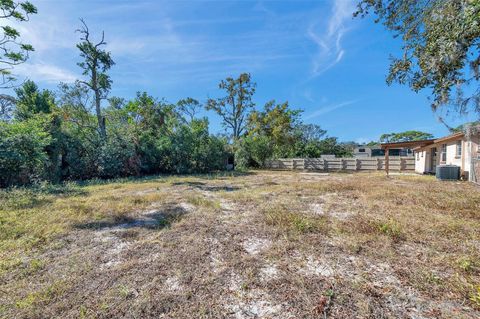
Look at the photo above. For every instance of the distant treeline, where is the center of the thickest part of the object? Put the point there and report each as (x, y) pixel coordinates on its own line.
(80, 132)
(55, 136)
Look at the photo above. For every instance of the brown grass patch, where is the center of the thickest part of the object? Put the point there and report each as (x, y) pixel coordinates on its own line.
(263, 244)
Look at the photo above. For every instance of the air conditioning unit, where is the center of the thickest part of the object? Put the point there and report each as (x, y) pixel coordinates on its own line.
(448, 172)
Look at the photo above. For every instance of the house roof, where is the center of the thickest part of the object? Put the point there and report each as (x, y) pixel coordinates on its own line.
(447, 138)
(409, 144)
(450, 137)
(367, 146)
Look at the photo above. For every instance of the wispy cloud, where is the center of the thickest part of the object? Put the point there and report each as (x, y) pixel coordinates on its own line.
(45, 72)
(120, 47)
(329, 40)
(175, 45)
(328, 109)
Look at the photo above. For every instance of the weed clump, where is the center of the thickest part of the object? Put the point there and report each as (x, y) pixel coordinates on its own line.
(286, 220)
(392, 229)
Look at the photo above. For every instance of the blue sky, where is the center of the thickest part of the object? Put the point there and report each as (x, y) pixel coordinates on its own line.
(311, 53)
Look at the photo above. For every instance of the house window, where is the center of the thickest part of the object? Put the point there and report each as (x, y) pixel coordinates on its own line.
(459, 149)
(443, 154)
(361, 150)
(377, 152)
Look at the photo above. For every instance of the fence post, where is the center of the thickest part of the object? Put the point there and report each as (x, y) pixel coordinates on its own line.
(475, 176)
(357, 164)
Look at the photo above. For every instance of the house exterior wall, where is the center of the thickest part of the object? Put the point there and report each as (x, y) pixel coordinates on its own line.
(367, 151)
(423, 162)
(470, 149)
(452, 158)
(420, 161)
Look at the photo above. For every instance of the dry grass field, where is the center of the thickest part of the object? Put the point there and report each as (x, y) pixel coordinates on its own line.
(255, 245)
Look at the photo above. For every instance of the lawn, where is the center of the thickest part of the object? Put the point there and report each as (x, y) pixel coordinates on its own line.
(254, 245)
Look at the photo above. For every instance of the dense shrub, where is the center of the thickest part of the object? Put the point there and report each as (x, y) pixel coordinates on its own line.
(117, 157)
(253, 151)
(23, 156)
(195, 150)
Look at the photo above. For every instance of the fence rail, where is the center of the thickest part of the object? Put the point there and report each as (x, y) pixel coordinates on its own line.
(342, 164)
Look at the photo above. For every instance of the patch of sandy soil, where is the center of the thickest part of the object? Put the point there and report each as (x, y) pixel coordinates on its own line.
(187, 207)
(315, 267)
(319, 209)
(254, 245)
(226, 205)
(173, 284)
(216, 259)
(251, 303)
(111, 241)
(269, 271)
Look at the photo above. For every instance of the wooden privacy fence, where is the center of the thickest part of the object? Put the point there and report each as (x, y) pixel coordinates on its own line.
(342, 164)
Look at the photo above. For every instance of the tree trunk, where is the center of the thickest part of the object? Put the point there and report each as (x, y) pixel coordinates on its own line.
(100, 119)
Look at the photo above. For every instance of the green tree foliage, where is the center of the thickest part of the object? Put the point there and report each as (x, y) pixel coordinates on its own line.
(31, 101)
(463, 127)
(310, 132)
(70, 136)
(118, 157)
(271, 132)
(275, 127)
(235, 107)
(195, 150)
(96, 62)
(81, 140)
(151, 122)
(328, 145)
(312, 141)
(441, 46)
(278, 122)
(278, 132)
(55, 137)
(23, 156)
(405, 137)
(13, 50)
(188, 109)
(253, 151)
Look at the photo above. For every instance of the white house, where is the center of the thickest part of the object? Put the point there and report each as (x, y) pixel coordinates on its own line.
(460, 149)
(362, 151)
